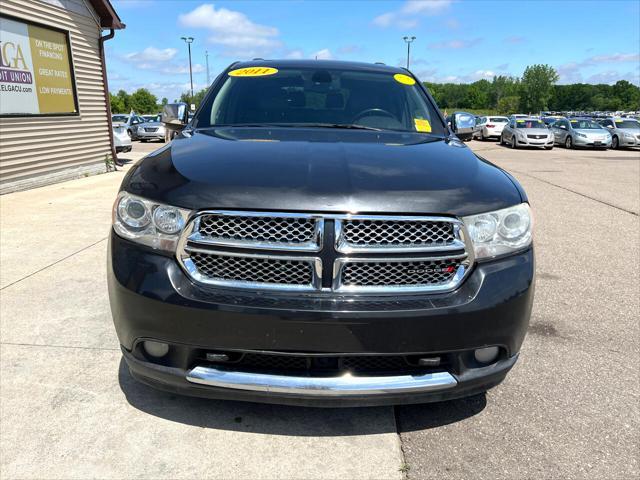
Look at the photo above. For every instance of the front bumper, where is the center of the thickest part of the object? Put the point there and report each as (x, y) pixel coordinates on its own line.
(535, 142)
(157, 135)
(629, 141)
(591, 142)
(151, 298)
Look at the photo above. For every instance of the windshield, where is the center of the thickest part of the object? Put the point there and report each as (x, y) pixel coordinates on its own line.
(321, 97)
(585, 125)
(119, 118)
(152, 118)
(530, 124)
(627, 124)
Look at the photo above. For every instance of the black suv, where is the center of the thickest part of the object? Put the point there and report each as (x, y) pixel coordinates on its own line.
(316, 235)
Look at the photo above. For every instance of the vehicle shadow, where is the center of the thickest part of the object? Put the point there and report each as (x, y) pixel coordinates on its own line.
(287, 420)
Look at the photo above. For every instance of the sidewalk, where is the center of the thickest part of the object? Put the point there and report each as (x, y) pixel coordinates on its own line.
(69, 408)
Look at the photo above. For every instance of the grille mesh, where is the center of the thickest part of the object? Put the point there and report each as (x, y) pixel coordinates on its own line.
(258, 229)
(398, 233)
(253, 269)
(399, 274)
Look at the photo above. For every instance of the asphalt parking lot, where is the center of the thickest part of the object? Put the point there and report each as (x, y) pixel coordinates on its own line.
(569, 409)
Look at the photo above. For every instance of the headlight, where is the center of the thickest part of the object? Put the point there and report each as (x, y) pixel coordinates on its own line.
(149, 223)
(500, 232)
(140, 129)
(628, 135)
(581, 135)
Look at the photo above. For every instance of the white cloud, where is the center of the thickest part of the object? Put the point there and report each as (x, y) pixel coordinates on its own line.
(455, 44)
(161, 60)
(573, 72)
(514, 39)
(407, 15)
(233, 31)
(295, 54)
(324, 54)
(151, 55)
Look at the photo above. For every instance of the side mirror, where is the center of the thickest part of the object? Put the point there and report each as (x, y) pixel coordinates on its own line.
(175, 115)
(610, 126)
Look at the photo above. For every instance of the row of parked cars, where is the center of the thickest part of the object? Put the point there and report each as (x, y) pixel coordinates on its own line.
(136, 127)
(521, 130)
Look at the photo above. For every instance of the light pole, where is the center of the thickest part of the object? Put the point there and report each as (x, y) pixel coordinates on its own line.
(206, 56)
(408, 40)
(189, 41)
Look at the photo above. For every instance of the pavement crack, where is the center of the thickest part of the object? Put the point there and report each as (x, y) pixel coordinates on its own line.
(76, 347)
(54, 263)
(404, 466)
(576, 192)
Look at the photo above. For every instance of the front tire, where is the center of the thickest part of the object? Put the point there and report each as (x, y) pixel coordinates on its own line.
(548, 148)
(615, 143)
(568, 143)
(514, 143)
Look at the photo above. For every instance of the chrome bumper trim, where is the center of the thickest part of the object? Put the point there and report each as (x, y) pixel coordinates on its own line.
(344, 385)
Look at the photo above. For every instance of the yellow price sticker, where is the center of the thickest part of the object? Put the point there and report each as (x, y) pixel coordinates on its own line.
(619, 121)
(253, 72)
(519, 121)
(422, 125)
(404, 79)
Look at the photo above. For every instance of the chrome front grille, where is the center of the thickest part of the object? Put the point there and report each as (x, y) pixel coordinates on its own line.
(379, 275)
(265, 250)
(252, 271)
(354, 234)
(259, 230)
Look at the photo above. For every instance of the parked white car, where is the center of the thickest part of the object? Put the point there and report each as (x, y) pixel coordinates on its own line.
(490, 127)
(121, 138)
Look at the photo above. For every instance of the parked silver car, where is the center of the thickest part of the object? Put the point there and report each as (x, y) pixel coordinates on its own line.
(151, 131)
(526, 132)
(121, 138)
(130, 121)
(490, 127)
(580, 132)
(625, 132)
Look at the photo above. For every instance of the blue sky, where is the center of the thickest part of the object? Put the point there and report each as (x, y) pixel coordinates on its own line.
(456, 41)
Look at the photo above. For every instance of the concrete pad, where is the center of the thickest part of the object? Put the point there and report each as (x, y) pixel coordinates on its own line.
(44, 225)
(570, 407)
(65, 304)
(76, 413)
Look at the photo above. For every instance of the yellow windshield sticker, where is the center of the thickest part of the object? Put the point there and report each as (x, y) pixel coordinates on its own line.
(574, 121)
(519, 121)
(253, 72)
(404, 79)
(619, 121)
(422, 125)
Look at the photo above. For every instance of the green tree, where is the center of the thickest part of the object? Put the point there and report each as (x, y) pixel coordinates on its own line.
(120, 102)
(143, 101)
(537, 87)
(503, 86)
(197, 97)
(628, 94)
(507, 105)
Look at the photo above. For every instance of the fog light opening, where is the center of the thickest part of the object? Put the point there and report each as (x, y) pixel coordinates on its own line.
(487, 354)
(155, 349)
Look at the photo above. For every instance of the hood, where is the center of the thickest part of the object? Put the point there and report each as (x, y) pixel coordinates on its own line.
(321, 170)
(152, 124)
(632, 131)
(589, 132)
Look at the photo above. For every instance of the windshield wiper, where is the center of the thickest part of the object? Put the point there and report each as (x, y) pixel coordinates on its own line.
(349, 126)
(300, 125)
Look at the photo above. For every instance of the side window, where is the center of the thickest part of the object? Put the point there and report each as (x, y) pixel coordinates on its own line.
(608, 123)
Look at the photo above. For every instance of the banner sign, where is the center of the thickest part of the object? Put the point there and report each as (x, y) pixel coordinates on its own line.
(36, 74)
